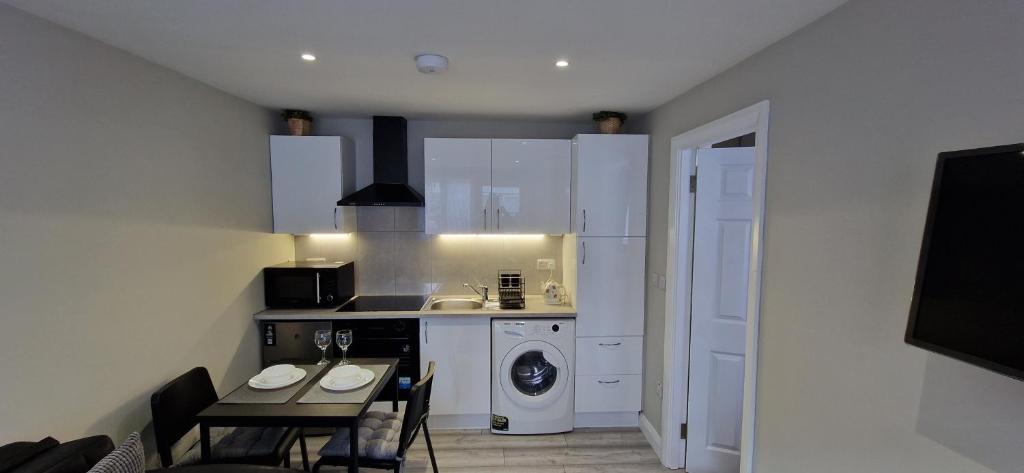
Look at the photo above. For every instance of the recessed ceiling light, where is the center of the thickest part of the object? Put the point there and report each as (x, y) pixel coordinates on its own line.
(562, 63)
(308, 57)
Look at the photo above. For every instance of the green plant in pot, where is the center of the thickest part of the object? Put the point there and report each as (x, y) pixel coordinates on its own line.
(609, 122)
(299, 121)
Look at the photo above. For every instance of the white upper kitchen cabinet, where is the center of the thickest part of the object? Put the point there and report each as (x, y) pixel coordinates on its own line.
(457, 184)
(309, 175)
(610, 185)
(610, 286)
(461, 347)
(530, 186)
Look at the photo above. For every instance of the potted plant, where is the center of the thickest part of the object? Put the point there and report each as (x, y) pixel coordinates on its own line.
(609, 122)
(299, 121)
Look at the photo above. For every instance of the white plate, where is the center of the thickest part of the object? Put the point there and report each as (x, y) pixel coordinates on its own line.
(277, 373)
(262, 382)
(347, 383)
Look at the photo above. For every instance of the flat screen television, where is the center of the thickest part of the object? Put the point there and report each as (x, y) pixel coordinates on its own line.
(969, 297)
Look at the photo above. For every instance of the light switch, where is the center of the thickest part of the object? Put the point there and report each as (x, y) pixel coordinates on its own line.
(661, 281)
(545, 263)
(654, 280)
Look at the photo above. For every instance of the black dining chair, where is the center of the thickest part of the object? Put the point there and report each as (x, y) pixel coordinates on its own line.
(385, 437)
(175, 407)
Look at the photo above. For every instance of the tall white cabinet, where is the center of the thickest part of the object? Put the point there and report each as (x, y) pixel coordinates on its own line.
(609, 223)
(497, 186)
(309, 174)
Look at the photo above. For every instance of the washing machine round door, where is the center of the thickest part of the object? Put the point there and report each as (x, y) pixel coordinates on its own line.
(534, 374)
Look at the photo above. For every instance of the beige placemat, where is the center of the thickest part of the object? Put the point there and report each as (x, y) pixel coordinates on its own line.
(246, 394)
(319, 395)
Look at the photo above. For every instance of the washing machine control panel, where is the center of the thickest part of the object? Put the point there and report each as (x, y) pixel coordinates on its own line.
(544, 329)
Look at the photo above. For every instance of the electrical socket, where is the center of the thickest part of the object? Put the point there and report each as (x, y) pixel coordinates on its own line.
(545, 263)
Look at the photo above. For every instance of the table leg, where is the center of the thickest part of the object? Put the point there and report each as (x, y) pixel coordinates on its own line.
(204, 441)
(353, 446)
(398, 389)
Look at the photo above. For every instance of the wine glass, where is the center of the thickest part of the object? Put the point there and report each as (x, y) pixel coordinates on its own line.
(322, 338)
(344, 340)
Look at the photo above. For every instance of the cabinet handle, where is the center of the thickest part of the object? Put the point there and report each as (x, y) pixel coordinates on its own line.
(426, 333)
(584, 252)
(584, 221)
(499, 218)
(335, 218)
(609, 382)
(318, 288)
(485, 220)
(609, 344)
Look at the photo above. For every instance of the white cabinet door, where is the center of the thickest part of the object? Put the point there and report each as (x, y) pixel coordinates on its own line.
(457, 184)
(610, 176)
(610, 286)
(461, 347)
(309, 175)
(530, 186)
(608, 393)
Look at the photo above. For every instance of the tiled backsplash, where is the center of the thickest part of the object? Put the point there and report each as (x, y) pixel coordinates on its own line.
(394, 256)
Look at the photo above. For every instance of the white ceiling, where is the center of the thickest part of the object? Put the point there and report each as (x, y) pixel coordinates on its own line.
(629, 55)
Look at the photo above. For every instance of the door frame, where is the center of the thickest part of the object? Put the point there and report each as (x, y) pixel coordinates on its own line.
(678, 278)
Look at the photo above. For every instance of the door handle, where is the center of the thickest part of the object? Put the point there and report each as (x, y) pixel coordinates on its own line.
(609, 382)
(318, 288)
(609, 344)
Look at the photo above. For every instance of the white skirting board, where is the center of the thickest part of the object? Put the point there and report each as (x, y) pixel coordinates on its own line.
(606, 419)
(651, 434)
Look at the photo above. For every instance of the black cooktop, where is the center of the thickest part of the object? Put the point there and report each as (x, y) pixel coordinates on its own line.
(383, 303)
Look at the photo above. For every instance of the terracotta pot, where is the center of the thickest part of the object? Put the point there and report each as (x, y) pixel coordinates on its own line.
(610, 125)
(298, 126)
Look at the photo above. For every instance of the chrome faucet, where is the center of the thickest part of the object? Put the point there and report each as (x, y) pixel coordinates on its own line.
(482, 287)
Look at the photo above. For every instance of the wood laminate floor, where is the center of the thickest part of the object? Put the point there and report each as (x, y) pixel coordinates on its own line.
(615, 450)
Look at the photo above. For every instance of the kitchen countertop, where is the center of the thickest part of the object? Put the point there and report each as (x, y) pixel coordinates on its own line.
(535, 308)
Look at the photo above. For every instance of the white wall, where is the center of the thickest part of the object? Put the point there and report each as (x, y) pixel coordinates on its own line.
(134, 222)
(861, 102)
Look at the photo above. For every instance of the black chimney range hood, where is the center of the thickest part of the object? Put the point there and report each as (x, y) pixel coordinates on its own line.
(390, 169)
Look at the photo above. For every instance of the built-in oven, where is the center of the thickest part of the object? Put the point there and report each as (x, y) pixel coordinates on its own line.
(297, 284)
(387, 338)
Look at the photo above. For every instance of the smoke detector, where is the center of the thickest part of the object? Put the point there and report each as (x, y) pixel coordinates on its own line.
(431, 63)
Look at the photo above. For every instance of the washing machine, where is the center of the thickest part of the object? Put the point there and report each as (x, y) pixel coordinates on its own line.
(532, 375)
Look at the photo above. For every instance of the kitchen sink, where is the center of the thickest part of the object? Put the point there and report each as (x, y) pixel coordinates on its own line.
(454, 304)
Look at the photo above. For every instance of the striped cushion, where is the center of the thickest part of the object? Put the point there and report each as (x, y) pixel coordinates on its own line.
(378, 437)
(128, 458)
(229, 443)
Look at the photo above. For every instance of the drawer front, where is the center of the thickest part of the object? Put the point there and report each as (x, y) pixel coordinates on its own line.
(609, 355)
(608, 393)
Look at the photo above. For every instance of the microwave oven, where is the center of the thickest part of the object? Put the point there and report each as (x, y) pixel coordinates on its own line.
(308, 285)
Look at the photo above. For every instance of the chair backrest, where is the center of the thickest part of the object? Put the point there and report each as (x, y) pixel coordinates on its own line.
(417, 408)
(175, 407)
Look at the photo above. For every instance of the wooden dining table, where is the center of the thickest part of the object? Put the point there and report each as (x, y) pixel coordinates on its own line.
(294, 414)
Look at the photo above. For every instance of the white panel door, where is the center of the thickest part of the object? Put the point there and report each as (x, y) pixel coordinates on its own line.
(721, 263)
(530, 186)
(461, 347)
(610, 176)
(610, 286)
(307, 181)
(457, 185)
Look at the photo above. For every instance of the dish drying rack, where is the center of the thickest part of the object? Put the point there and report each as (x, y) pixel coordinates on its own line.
(511, 289)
